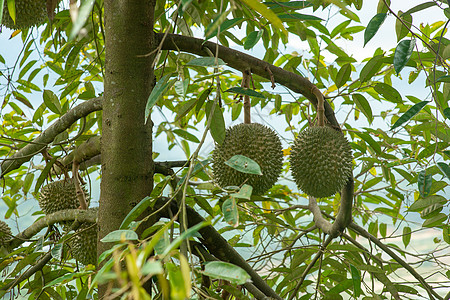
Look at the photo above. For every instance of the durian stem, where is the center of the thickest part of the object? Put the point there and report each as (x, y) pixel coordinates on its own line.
(320, 106)
(79, 191)
(247, 105)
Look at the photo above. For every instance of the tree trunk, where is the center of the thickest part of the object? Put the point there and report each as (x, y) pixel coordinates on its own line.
(127, 165)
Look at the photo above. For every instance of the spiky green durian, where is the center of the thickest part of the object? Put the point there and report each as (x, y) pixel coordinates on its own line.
(28, 13)
(5, 233)
(321, 161)
(255, 141)
(59, 195)
(84, 242)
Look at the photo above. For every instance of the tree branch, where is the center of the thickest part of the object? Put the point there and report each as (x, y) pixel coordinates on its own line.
(218, 246)
(59, 216)
(48, 135)
(358, 229)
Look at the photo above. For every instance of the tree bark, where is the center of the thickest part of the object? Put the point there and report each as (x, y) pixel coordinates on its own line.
(127, 166)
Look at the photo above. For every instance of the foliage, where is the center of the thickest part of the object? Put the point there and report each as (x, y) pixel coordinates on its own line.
(399, 141)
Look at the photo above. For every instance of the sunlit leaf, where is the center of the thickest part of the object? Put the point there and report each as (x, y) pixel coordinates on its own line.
(266, 13)
(298, 17)
(403, 53)
(52, 101)
(373, 26)
(83, 14)
(244, 193)
(120, 235)
(212, 32)
(369, 140)
(226, 271)
(188, 233)
(343, 75)
(186, 135)
(11, 9)
(435, 221)
(444, 78)
(414, 110)
(244, 164)
(403, 25)
(423, 203)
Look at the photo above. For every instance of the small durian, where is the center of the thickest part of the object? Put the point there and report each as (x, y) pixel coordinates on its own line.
(5, 233)
(29, 13)
(59, 195)
(84, 243)
(255, 141)
(321, 161)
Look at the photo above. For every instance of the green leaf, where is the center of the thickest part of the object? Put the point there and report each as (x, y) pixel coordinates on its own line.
(369, 140)
(52, 101)
(356, 278)
(373, 26)
(414, 110)
(402, 28)
(245, 91)
(44, 175)
(406, 237)
(201, 100)
(343, 75)
(266, 13)
(244, 164)
(445, 169)
(447, 113)
(212, 32)
(423, 203)
(226, 271)
(371, 68)
(57, 251)
(206, 62)
(252, 39)
(120, 235)
(190, 232)
(424, 182)
(22, 99)
(28, 181)
(363, 105)
(435, 221)
(403, 53)
(186, 135)
(136, 212)
(444, 78)
(297, 17)
(388, 92)
(158, 91)
(420, 7)
(217, 128)
(244, 193)
(230, 211)
(446, 235)
(83, 14)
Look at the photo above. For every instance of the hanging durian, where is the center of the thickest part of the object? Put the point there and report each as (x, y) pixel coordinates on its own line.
(28, 13)
(321, 161)
(5, 233)
(59, 195)
(84, 243)
(255, 141)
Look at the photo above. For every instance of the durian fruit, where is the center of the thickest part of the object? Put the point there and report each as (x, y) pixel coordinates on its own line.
(84, 243)
(5, 233)
(321, 161)
(59, 195)
(255, 141)
(28, 13)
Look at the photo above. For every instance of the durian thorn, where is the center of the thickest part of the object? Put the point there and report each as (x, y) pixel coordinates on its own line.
(76, 181)
(320, 106)
(246, 75)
